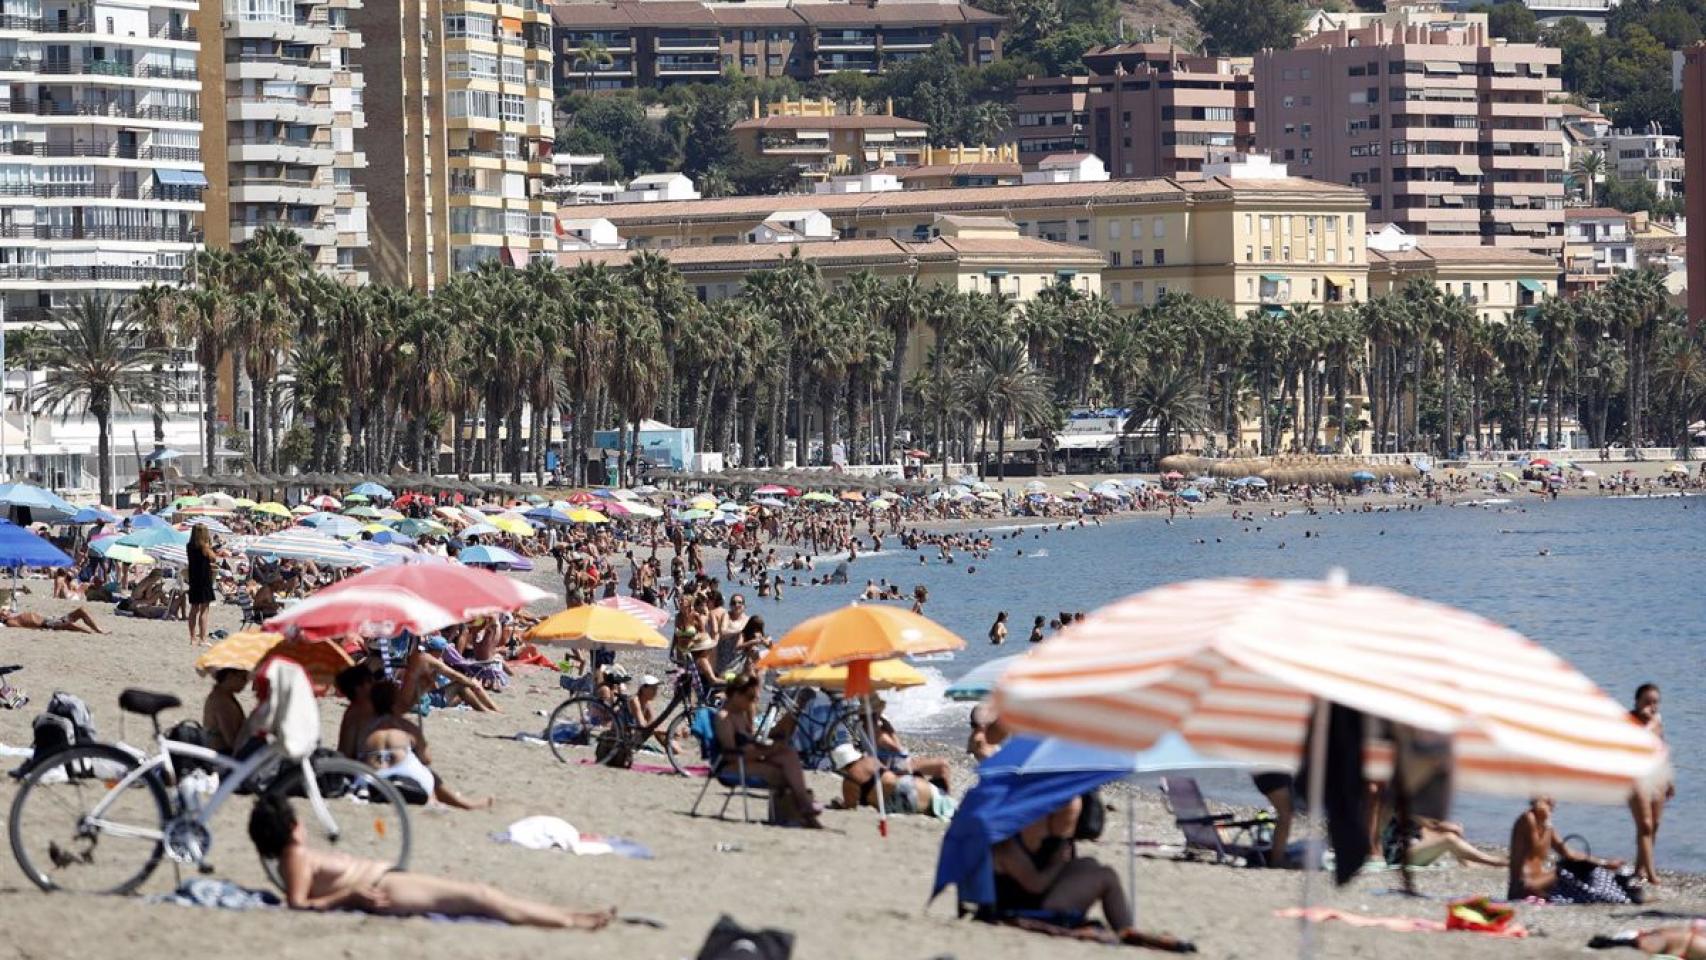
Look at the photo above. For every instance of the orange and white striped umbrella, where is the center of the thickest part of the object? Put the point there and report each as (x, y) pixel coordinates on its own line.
(1233, 666)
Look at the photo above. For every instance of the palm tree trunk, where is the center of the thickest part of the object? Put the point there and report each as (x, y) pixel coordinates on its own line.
(210, 412)
(103, 448)
(749, 436)
(1001, 448)
(897, 372)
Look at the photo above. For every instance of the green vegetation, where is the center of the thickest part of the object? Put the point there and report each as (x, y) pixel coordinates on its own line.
(1239, 28)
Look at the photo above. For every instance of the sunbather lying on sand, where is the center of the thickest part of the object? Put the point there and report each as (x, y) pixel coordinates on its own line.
(328, 880)
(77, 621)
(1687, 941)
(397, 749)
(902, 792)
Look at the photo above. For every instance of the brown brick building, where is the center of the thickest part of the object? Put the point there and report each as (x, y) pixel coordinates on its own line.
(1147, 109)
(1453, 135)
(654, 43)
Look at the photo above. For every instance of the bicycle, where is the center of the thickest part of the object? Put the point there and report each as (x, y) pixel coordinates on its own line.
(11, 698)
(818, 729)
(616, 734)
(99, 808)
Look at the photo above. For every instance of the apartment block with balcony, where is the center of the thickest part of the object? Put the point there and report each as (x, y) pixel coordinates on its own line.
(1598, 244)
(652, 43)
(1147, 109)
(459, 101)
(283, 103)
(101, 174)
(1501, 285)
(1453, 135)
(823, 142)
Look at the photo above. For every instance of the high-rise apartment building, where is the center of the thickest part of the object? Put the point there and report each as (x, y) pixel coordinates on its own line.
(282, 107)
(459, 105)
(652, 43)
(1454, 135)
(100, 163)
(1694, 131)
(1147, 109)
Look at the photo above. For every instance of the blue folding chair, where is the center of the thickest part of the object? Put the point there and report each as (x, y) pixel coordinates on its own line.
(728, 772)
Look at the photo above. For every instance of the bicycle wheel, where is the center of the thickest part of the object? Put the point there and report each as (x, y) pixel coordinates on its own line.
(583, 722)
(57, 844)
(679, 743)
(364, 815)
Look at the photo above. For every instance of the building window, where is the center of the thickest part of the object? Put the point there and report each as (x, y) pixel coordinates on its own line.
(1114, 259)
(1249, 253)
(1137, 292)
(1160, 257)
(1137, 258)
(1115, 293)
(1159, 229)
(1113, 229)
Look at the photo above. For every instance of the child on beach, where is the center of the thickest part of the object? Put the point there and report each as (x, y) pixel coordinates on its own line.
(329, 880)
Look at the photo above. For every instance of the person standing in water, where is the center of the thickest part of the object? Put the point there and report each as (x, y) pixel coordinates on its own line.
(998, 629)
(1648, 803)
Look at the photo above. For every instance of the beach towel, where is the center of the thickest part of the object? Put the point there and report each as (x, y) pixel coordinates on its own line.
(555, 833)
(691, 769)
(1511, 930)
(287, 709)
(218, 894)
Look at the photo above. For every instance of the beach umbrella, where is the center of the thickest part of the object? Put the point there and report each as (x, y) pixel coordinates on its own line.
(124, 553)
(301, 509)
(703, 502)
(21, 548)
(390, 537)
(656, 617)
(1363, 476)
(818, 496)
(154, 537)
(145, 521)
(1507, 475)
(322, 660)
(692, 515)
(1191, 494)
(272, 509)
(580, 498)
(885, 675)
(1036, 486)
(466, 591)
(1172, 475)
(1677, 468)
(187, 501)
(363, 611)
(1249, 655)
(513, 525)
(645, 490)
(480, 530)
(484, 556)
(219, 501)
(91, 515)
(771, 490)
(856, 636)
(324, 501)
(373, 490)
(548, 515)
(364, 513)
(421, 528)
(881, 503)
(303, 544)
(597, 625)
(243, 503)
(588, 516)
(645, 510)
(354, 498)
(332, 524)
(1540, 462)
(621, 494)
(852, 496)
(980, 680)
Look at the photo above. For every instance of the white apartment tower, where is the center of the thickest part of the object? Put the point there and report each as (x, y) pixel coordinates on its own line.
(101, 173)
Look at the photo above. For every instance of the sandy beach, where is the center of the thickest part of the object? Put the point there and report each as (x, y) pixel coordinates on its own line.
(845, 892)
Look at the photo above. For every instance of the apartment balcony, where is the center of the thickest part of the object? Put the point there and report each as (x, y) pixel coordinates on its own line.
(279, 68)
(847, 40)
(304, 154)
(42, 231)
(69, 25)
(312, 234)
(668, 66)
(789, 146)
(908, 40)
(49, 273)
(99, 191)
(36, 67)
(835, 63)
(687, 44)
(298, 193)
(89, 110)
(98, 150)
(281, 109)
(295, 31)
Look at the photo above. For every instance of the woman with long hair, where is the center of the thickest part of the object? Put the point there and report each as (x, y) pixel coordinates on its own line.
(200, 574)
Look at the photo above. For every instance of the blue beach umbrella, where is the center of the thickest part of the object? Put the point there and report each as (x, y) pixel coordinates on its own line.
(393, 538)
(154, 537)
(374, 490)
(93, 515)
(548, 515)
(1191, 494)
(146, 521)
(980, 681)
(21, 548)
(484, 556)
(43, 505)
(1363, 476)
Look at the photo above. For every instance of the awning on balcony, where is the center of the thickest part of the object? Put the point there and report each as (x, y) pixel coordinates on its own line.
(811, 134)
(1338, 280)
(1443, 66)
(180, 178)
(1273, 278)
(1532, 286)
(1505, 69)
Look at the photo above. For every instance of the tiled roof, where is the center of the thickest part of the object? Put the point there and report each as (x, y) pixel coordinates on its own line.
(1465, 254)
(979, 168)
(845, 252)
(838, 122)
(1594, 213)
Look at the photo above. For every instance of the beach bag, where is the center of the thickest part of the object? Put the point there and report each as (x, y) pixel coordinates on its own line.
(194, 734)
(1479, 915)
(612, 750)
(1092, 818)
(731, 941)
(702, 724)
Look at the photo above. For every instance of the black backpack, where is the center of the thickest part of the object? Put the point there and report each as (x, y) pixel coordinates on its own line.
(731, 941)
(65, 724)
(1092, 818)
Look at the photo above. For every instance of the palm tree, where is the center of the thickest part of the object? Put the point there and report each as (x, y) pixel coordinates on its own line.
(591, 55)
(156, 309)
(1589, 165)
(97, 359)
(1171, 398)
(1013, 391)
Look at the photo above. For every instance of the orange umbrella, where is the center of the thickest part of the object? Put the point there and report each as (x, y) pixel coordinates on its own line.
(856, 636)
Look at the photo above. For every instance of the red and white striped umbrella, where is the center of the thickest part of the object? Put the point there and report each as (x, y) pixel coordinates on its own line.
(464, 591)
(366, 611)
(655, 617)
(1233, 665)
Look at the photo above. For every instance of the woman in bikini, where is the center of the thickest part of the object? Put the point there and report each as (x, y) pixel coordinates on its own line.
(860, 775)
(776, 763)
(1648, 804)
(397, 750)
(330, 880)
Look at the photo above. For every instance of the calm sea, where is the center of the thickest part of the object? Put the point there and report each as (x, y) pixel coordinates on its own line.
(1618, 594)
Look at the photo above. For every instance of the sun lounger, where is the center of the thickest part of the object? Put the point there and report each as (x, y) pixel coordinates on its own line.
(1206, 832)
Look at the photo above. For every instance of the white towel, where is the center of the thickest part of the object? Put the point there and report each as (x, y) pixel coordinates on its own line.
(550, 833)
(289, 713)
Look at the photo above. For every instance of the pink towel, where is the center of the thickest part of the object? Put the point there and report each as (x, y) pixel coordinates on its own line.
(693, 769)
(1400, 924)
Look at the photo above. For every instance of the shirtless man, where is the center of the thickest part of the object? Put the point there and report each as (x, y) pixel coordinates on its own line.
(329, 880)
(77, 621)
(987, 733)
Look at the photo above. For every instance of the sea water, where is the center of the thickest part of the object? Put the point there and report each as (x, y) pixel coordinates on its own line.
(1611, 585)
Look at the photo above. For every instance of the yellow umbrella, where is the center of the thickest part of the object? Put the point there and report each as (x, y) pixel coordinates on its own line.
(584, 515)
(511, 524)
(240, 651)
(243, 503)
(1513, 478)
(593, 625)
(885, 675)
(376, 528)
(861, 633)
(703, 502)
(124, 553)
(272, 508)
(386, 513)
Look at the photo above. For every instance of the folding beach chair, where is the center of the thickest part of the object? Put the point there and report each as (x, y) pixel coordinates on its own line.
(728, 772)
(1206, 831)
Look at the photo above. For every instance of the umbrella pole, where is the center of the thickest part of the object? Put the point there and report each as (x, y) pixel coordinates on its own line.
(1131, 848)
(1317, 787)
(882, 804)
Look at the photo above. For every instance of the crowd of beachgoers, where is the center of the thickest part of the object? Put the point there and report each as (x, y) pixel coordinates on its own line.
(702, 565)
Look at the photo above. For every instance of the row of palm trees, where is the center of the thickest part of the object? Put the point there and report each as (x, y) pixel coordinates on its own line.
(505, 365)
